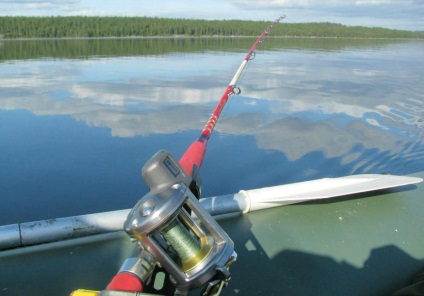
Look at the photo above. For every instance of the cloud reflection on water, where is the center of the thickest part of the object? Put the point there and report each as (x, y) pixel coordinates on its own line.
(296, 102)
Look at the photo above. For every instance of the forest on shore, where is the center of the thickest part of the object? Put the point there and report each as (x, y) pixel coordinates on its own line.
(13, 27)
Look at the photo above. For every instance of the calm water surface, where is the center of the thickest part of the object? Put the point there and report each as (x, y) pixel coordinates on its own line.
(79, 118)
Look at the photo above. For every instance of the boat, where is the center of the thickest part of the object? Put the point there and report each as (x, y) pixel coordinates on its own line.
(367, 243)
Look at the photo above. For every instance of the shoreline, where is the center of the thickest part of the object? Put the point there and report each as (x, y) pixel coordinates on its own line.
(200, 37)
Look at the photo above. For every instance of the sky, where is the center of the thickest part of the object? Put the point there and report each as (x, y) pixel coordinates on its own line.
(394, 14)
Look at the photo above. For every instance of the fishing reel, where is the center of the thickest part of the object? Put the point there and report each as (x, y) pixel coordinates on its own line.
(175, 232)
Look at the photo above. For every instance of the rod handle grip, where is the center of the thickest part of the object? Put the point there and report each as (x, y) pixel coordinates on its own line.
(193, 157)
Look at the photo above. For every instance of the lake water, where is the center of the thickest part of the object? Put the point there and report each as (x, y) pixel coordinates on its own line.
(79, 118)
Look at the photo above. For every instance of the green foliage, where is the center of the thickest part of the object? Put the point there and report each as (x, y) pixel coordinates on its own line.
(81, 48)
(95, 27)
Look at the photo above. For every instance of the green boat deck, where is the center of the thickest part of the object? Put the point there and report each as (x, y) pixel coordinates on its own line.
(367, 244)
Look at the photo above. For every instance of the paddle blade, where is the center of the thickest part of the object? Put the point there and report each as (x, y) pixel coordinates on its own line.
(324, 188)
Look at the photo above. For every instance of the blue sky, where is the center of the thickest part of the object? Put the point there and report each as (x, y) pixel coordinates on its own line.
(396, 14)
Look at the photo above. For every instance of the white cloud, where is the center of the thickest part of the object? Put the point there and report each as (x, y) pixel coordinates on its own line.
(396, 14)
(315, 3)
(50, 2)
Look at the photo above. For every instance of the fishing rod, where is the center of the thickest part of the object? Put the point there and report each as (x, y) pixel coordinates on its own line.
(193, 157)
(173, 231)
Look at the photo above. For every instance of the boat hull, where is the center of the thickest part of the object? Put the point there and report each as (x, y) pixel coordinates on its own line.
(363, 244)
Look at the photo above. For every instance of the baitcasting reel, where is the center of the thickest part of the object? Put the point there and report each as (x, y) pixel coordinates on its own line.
(175, 232)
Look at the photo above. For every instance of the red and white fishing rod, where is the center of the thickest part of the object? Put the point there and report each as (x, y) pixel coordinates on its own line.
(194, 252)
(193, 157)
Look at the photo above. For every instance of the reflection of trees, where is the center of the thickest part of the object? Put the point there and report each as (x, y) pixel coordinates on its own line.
(103, 48)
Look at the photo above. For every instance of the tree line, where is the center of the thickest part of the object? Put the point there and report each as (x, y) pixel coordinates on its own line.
(96, 27)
